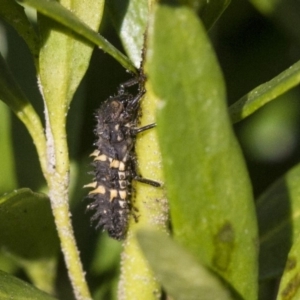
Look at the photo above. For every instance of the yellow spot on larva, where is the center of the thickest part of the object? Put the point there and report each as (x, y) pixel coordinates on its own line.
(122, 166)
(95, 153)
(115, 164)
(122, 194)
(113, 194)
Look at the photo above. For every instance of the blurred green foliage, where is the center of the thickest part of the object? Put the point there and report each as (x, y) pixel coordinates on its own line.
(254, 41)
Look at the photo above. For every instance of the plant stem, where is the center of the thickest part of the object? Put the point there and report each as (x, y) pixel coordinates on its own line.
(58, 182)
(137, 280)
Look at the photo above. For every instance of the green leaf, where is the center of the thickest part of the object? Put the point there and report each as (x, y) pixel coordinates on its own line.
(130, 19)
(14, 14)
(14, 288)
(279, 223)
(33, 233)
(59, 13)
(182, 277)
(64, 59)
(265, 93)
(27, 232)
(207, 183)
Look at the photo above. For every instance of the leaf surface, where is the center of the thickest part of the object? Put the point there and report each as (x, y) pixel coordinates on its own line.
(205, 176)
(14, 288)
(184, 278)
(27, 232)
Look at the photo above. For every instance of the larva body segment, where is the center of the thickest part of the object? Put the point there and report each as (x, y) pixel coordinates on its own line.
(114, 168)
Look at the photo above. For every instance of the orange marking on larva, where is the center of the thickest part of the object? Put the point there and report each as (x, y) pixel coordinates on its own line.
(102, 157)
(115, 164)
(99, 190)
(95, 153)
(123, 194)
(113, 195)
(122, 166)
(92, 185)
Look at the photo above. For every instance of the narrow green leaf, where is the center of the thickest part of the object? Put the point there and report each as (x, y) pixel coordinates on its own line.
(57, 12)
(14, 288)
(265, 93)
(13, 96)
(14, 14)
(131, 19)
(10, 92)
(279, 223)
(206, 179)
(9, 181)
(178, 271)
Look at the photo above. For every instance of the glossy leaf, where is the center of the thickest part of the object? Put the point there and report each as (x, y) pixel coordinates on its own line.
(265, 93)
(182, 277)
(57, 12)
(14, 14)
(14, 288)
(279, 223)
(207, 183)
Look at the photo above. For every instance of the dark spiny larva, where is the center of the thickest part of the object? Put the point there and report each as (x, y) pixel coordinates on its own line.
(114, 159)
